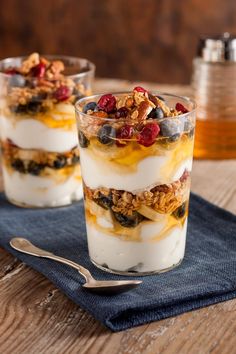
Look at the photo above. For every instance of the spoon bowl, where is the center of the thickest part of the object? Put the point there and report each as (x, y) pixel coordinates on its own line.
(111, 287)
(105, 287)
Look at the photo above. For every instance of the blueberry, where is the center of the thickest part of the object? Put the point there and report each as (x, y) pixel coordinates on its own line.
(83, 140)
(35, 168)
(18, 165)
(89, 106)
(105, 201)
(60, 162)
(170, 127)
(17, 81)
(34, 107)
(128, 221)
(180, 211)
(156, 113)
(106, 134)
(20, 108)
(35, 104)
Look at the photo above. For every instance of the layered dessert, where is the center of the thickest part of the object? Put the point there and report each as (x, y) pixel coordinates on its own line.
(38, 132)
(136, 157)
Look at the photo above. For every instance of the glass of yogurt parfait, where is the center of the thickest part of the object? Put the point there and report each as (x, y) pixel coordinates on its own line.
(136, 157)
(38, 134)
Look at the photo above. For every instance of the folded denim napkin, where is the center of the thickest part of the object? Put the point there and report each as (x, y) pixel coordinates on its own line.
(206, 276)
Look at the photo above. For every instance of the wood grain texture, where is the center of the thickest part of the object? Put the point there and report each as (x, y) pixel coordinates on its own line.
(35, 317)
(152, 40)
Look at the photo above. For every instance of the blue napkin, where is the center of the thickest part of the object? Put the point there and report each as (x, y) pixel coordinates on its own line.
(206, 276)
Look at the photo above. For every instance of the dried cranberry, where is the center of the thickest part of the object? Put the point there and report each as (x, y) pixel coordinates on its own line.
(107, 103)
(148, 134)
(38, 70)
(11, 71)
(62, 93)
(140, 89)
(124, 133)
(121, 112)
(181, 108)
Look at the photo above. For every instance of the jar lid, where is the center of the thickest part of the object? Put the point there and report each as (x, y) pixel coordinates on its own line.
(217, 48)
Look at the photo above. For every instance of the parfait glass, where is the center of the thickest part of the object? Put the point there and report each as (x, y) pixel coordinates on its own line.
(38, 135)
(136, 193)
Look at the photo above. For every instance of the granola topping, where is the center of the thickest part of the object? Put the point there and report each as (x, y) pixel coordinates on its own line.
(44, 85)
(136, 109)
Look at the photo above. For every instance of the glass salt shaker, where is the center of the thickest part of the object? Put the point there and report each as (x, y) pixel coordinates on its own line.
(214, 87)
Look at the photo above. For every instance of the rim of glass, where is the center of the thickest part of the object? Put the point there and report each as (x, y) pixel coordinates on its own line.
(78, 104)
(91, 65)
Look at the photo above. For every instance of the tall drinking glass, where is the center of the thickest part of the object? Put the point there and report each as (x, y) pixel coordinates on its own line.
(38, 135)
(136, 158)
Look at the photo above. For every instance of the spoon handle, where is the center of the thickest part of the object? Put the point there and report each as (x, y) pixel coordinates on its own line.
(25, 246)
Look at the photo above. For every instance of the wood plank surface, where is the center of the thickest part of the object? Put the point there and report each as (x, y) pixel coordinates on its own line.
(35, 317)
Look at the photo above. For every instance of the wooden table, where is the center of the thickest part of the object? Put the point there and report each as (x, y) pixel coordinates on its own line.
(35, 317)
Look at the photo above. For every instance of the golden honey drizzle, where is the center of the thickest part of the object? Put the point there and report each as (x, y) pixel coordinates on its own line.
(126, 159)
(65, 121)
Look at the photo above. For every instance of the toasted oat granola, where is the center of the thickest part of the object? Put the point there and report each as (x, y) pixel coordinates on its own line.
(163, 198)
(37, 80)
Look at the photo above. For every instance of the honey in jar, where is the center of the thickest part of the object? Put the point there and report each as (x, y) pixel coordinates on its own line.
(214, 86)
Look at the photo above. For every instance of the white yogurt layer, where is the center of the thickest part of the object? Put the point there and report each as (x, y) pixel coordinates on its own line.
(30, 133)
(99, 173)
(40, 191)
(146, 256)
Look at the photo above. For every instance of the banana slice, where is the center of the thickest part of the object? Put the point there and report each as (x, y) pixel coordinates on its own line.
(150, 213)
(98, 211)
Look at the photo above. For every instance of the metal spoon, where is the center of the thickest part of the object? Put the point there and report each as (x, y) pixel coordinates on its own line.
(99, 286)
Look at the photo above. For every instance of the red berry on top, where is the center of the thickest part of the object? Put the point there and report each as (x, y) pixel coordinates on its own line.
(62, 93)
(121, 112)
(38, 70)
(107, 103)
(11, 71)
(124, 133)
(148, 134)
(140, 89)
(181, 108)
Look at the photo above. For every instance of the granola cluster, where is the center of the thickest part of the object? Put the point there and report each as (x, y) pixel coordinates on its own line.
(38, 84)
(163, 199)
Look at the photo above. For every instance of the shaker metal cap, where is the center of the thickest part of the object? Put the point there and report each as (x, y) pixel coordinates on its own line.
(217, 48)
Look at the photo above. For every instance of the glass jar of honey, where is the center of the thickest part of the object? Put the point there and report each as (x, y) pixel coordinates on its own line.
(214, 87)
